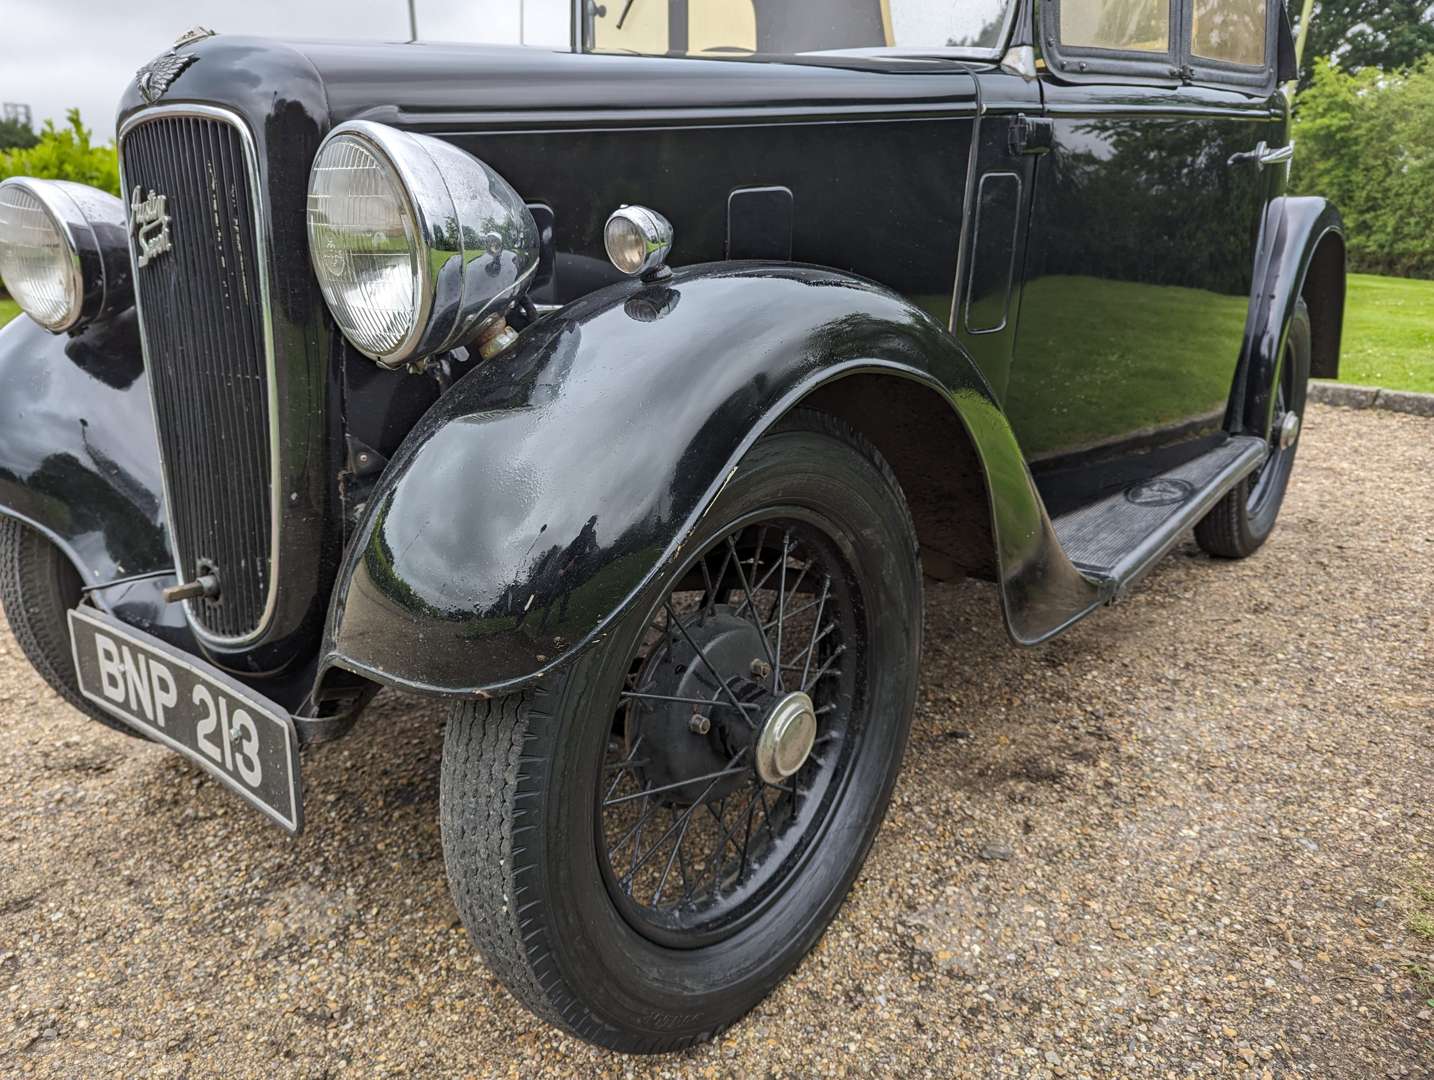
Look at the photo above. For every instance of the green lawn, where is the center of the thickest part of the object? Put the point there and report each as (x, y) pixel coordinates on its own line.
(1388, 333)
(8, 309)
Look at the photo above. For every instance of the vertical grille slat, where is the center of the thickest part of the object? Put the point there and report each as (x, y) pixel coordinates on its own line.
(202, 314)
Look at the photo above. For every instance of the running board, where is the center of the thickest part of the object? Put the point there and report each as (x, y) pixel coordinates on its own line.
(1118, 539)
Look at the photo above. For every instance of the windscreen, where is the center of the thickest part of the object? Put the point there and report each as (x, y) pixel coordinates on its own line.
(785, 27)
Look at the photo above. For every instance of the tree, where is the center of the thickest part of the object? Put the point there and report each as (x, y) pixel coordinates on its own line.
(1366, 142)
(17, 136)
(65, 154)
(1356, 34)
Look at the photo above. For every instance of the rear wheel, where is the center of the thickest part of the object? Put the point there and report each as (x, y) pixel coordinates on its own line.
(1243, 520)
(38, 586)
(643, 847)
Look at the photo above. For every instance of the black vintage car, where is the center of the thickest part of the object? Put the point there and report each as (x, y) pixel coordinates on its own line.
(622, 396)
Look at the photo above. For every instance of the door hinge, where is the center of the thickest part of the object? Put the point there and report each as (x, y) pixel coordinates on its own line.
(1031, 135)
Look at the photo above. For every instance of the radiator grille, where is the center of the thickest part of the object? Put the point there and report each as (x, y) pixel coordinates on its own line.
(202, 314)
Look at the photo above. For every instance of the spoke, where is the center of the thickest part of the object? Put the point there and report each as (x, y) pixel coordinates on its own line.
(624, 764)
(811, 647)
(726, 838)
(721, 577)
(686, 814)
(781, 603)
(767, 814)
(806, 654)
(711, 590)
(792, 614)
(752, 603)
(702, 656)
(760, 583)
(796, 585)
(825, 668)
(635, 831)
(677, 847)
(682, 865)
(641, 696)
(747, 837)
(620, 766)
(637, 844)
(713, 776)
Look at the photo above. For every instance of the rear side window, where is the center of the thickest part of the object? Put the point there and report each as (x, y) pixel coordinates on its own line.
(1224, 43)
(1231, 31)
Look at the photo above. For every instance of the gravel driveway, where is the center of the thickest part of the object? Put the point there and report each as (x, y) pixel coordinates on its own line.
(1183, 840)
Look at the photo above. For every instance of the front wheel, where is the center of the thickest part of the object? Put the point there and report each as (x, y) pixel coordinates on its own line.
(643, 847)
(1243, 520)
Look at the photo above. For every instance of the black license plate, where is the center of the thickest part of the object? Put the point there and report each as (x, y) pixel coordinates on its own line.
(244, 740)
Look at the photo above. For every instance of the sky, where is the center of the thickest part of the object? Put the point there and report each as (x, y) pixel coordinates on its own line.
(58, 53)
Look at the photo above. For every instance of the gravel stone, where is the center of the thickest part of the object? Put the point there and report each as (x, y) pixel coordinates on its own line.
(1218, 788)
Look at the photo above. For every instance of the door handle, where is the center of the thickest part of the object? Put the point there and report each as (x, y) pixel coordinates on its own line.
(1263, 155)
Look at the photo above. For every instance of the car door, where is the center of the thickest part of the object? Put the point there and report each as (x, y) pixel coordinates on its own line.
(1143, 233)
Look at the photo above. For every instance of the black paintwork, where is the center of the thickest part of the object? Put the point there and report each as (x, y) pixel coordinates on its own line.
(533, 502)
(586, 450)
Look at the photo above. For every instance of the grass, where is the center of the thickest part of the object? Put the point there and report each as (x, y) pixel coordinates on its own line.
(8, 309)
(1419, 917)
(1388, 333)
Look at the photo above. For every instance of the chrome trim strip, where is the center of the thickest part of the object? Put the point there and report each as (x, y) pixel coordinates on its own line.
(251, 160)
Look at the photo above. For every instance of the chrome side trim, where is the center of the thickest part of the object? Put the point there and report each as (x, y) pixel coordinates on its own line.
(261, 239)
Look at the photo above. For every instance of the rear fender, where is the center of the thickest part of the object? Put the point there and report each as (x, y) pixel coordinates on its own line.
(1301, 254)
(536, 500)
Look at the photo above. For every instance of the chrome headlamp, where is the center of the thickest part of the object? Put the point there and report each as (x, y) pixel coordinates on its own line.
(64, 251)
(418, 246)
(638, 240)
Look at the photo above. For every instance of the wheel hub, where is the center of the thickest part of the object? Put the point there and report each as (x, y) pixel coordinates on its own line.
(683, 743)
(786, 738)
(1289, 430)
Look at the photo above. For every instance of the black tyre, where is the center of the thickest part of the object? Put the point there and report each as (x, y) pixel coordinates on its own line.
(38, 585)
(645, 846)
(1245, 517)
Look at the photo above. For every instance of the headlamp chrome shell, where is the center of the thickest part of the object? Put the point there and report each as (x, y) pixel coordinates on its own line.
(476, 241)
(95, 276)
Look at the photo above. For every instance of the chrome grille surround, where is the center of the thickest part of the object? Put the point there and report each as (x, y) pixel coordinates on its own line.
(241, 623)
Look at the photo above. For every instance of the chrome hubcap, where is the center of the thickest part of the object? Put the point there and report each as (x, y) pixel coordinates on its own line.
(787, 737)
(1289, 430)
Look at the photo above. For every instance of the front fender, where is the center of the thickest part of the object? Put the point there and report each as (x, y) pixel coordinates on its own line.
(79, 459)
(542, 493)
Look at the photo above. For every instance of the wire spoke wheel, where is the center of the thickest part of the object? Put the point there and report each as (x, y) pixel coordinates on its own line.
(737, 724)
(645, 841)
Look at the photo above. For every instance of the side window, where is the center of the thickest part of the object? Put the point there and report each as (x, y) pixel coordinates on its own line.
(1229, 31)
(1123, 25)
(1220, 42)
(713, 28)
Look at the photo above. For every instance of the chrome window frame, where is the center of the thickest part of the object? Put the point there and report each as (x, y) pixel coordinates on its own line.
(259, 209)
